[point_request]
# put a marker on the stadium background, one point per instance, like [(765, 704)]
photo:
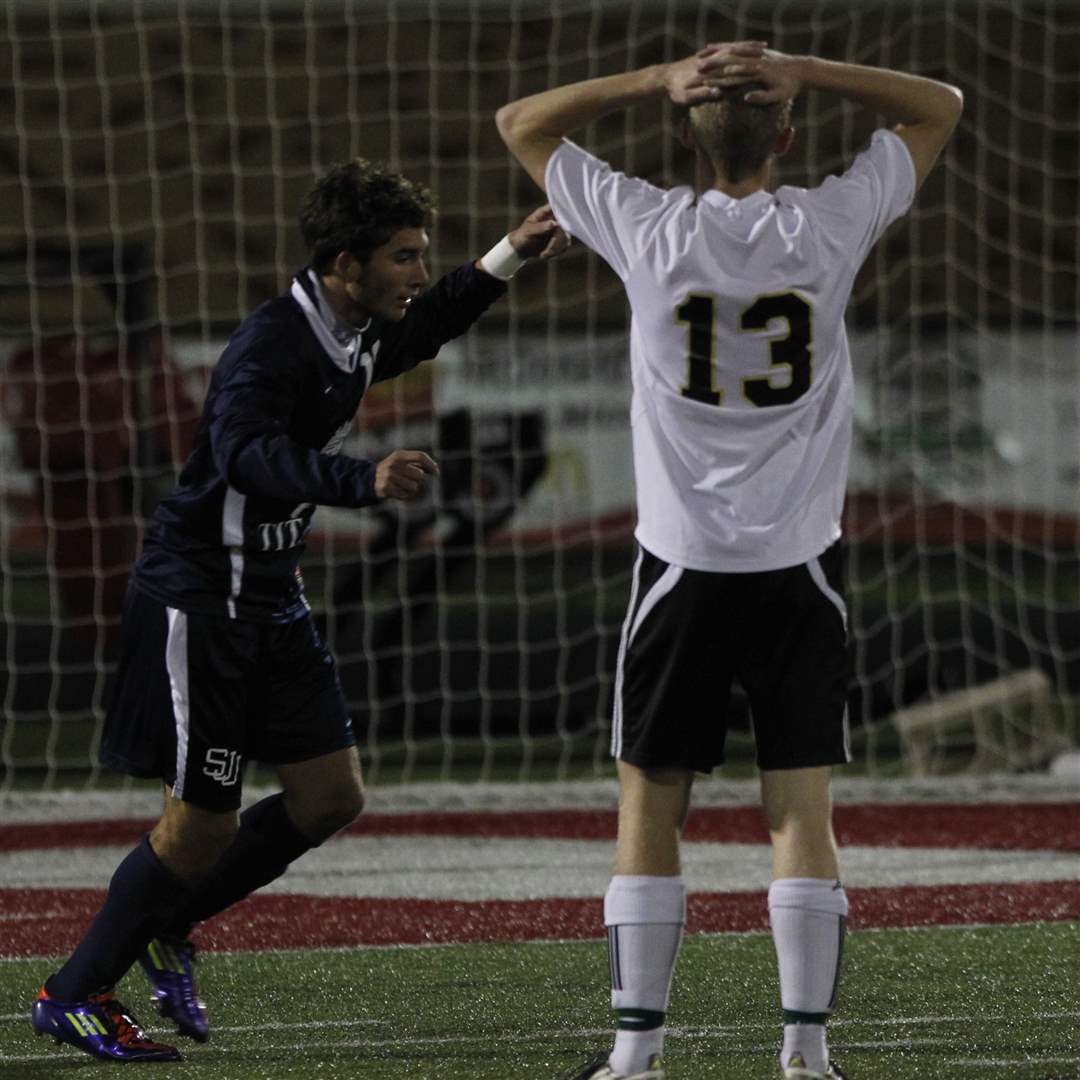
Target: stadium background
[(154, 155)]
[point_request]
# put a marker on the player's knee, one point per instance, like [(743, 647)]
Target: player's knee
[(335, 808), (347, 804), (191, 844)]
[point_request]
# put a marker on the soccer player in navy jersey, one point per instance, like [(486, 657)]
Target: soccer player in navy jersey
[(741, 420), (222, 661)]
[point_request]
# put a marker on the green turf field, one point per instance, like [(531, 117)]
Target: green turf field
[(963, 1003)]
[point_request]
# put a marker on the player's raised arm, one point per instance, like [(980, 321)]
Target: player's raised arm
[(923, 111), (532, 127)]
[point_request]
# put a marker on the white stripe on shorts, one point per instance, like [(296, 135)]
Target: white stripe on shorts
[(616, 719), (817, 575), (662, 586), (834, 598), (232, 535), (176, 663)]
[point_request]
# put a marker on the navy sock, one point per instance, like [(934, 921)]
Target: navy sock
[(265, 844), (143, 897)]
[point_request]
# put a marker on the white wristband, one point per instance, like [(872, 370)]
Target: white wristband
[(502, 261)]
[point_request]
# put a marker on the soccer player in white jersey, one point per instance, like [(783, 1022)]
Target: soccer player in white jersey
[(741, 418)]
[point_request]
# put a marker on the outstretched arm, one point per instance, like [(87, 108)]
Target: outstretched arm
[(533, 127), (923, 111), (539, 236), (459, 298)]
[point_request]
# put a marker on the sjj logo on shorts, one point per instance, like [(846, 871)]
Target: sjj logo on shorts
[(222, 765)]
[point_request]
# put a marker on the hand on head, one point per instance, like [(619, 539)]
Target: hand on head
[(704, 75), (736, 64)]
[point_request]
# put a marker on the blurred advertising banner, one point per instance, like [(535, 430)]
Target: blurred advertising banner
[(979, 420)]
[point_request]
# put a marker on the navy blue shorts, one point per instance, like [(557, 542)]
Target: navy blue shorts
[(688, 634), (198, 695)]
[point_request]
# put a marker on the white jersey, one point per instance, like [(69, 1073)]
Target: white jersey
[(742, 386)]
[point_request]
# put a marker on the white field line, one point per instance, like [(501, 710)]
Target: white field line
[(546, 1036), (478, 869), (79, 805), (542, 1036), (357, 1044), (896, 1021), (950, 927), (432, 1040), (1009, 1063), (674, 1031), (328, 1025)]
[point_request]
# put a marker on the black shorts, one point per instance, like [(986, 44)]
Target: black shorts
[(198, 695), (689, 633)]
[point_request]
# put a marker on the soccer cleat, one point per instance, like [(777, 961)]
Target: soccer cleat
[(597, 1068), (168, 965), (796, 1070), (100, 1026)]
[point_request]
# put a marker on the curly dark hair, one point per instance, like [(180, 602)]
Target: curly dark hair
[(738, 136), (356, 207)]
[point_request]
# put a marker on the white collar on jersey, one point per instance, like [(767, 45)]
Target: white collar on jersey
[(340, 339), (727, 202), (758, 209)]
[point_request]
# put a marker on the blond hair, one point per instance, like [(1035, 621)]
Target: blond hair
[(738, 137)]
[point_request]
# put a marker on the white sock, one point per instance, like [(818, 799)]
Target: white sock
[(807, 1041), (808, 917), (645, 917)]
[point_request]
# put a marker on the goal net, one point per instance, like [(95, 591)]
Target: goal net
[(155, 154)]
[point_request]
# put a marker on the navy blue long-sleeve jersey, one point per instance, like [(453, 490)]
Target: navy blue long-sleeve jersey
[(282, 398)]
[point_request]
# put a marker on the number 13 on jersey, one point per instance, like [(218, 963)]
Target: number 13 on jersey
[(791, 349)]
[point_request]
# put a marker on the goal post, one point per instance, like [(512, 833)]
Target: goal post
[(476, 634)]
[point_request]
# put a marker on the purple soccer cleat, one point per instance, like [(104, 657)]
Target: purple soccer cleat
[(100, 1026), (169, 965)]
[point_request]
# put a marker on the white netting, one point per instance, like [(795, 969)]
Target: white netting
[(155, 154)]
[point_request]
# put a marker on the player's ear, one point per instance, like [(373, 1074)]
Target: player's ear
[(784, 141), (346, 265)]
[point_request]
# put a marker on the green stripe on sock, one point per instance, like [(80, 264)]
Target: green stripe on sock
[(791, 1017), (639, 1019)]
